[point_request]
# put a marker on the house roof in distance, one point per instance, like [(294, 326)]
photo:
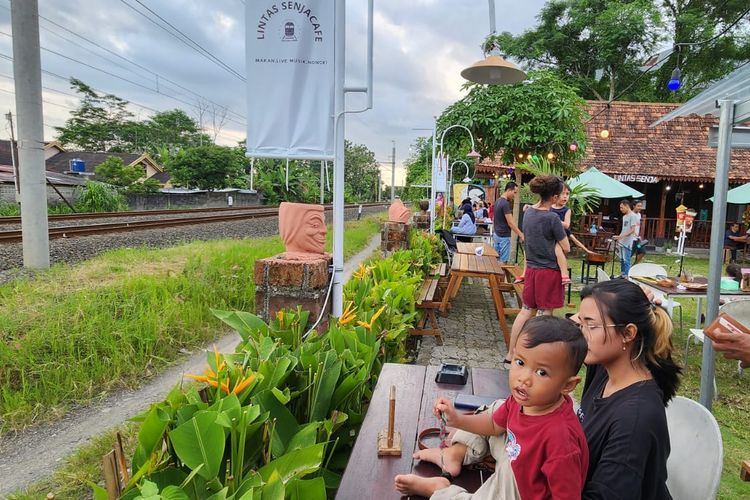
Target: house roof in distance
[(675, 150)]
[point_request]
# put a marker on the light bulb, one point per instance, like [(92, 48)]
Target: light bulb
[(520, 156), (700, 186), (528, 156), (573, 146), (604, 133), (668, 188), (550, 156)]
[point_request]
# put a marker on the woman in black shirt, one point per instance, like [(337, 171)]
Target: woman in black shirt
[(629, 380)]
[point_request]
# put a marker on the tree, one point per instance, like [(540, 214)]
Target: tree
[(114, 171), (517, 122), (96, 123), (603, 47), (596, 45), (102, 123), (302, 186), (418, 169), (537, 118), (209, 167), (361, 172)]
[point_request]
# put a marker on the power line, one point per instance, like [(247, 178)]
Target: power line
[(134, 103), (130, 61), (185, 39), (122, 78)]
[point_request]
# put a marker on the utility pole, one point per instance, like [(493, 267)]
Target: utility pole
[(393, 172), (16, 177), (27, 71)]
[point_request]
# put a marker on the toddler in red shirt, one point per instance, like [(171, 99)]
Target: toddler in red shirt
[(535, 436)]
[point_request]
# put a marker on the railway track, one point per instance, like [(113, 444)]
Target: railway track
[(229, 214)]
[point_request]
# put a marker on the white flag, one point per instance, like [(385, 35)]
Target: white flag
[(290, 87)]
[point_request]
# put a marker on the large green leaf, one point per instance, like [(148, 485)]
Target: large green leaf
[(274, 488), (173, 492), (305, 437), (149, 436), (200, 441), (306, 489), (328, 377), (286, 425), (295, 463), (245, 323)]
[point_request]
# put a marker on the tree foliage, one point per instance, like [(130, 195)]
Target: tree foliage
[(361, 173), (209, 167), (102, 122), (418, 169), (114, 171), (602, 46), (535, 118)]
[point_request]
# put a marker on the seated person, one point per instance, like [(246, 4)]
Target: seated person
[(467, 223), (537, 440), (733, 239)]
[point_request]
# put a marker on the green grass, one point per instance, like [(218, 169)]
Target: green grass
[(732, 409), (77, 333)]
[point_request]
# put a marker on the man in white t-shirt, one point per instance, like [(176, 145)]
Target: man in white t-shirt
[(639, 245), (627, 236)]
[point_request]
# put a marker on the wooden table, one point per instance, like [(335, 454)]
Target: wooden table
[(489, 268), (368, 476), (470, 248), (688, 294)]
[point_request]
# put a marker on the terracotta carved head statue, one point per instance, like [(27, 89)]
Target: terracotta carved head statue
[(398, 212), (302, 228)]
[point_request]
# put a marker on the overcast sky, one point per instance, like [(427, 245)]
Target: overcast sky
[(420, 48)]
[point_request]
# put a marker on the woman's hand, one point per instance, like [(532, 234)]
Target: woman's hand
[(650, 294), (449, 413)]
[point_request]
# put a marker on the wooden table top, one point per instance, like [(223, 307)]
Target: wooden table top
[(470, 263), (691, 293), (370, 476), (470, 248)]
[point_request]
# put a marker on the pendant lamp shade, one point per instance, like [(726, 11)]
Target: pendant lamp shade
[(494, 70)]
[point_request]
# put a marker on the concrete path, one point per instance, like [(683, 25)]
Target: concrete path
[(471, 331)]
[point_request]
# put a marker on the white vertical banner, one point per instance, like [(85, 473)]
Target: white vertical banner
[(441, 173), (290, 79)]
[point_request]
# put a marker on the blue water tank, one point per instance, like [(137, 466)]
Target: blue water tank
[(77, 165)]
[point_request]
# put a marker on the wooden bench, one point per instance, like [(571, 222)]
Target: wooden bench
[(428, 300), (368, 476)]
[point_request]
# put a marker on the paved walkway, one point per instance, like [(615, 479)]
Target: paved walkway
[(471, 331)]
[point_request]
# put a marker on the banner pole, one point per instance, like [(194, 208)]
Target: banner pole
[(338, 167)]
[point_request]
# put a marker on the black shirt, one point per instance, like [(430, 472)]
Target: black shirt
[(628, 440)]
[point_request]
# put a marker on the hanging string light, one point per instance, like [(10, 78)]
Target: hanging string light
[(604, 134), (573, 146)]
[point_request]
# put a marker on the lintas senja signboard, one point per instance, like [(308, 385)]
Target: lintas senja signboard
[(290, 82)]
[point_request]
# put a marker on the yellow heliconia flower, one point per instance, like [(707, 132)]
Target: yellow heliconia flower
[(362, 271), (242, 384), (280, 315), (349, 315), (372, 320)]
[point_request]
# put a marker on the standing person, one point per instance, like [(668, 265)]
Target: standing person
[(502, 222), (639, 245), (543, 290), (626, 237)]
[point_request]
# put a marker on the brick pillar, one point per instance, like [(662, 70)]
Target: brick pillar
[(422, 221), (394, 236), (281, 283)]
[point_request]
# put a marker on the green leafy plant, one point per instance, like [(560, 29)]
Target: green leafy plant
[(99, 197)]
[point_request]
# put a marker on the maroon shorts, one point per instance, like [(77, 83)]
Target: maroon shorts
[(543, 288)]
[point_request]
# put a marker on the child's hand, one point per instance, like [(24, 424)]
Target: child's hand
[(445, 406)]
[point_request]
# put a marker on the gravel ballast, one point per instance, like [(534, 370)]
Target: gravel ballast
[(78, 249)]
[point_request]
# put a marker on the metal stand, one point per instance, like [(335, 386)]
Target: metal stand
[(681, 248)]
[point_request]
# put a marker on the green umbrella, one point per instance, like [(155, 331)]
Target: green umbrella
[(606, 186), (739, 195)]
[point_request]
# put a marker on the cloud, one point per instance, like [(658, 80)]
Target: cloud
[(420, 48)]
